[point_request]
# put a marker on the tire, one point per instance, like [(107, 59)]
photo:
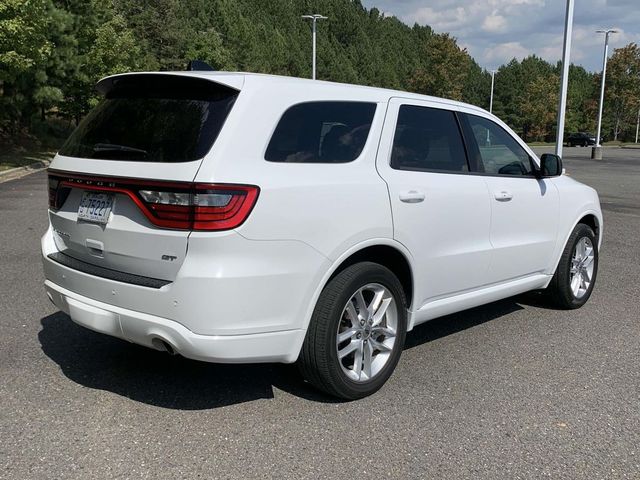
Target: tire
[(341, 311), (562, 290)]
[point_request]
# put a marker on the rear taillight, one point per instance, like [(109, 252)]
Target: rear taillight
[(53, 191), (58, 193), (203, 207), (184, 206)]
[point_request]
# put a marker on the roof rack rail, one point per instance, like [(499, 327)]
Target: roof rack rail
[(199, 65)]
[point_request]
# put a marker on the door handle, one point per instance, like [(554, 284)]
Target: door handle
[(503, 195), (412, 196)]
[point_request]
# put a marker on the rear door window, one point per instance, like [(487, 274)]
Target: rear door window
[(153, 118), (321, 132), (428, 139)]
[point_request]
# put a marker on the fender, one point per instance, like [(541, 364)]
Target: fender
[(565, 237), (311, 304)]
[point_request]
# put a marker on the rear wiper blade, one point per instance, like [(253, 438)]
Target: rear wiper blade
[(112, 147)]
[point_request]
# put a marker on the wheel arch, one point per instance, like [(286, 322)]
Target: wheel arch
[(592, 221), (591, 218), (379, 250), (386, 255)]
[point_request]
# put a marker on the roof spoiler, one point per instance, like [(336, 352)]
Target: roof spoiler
[(199, 65)]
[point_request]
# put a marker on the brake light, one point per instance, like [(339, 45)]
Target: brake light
[(205, 207), (57, 193), (53, 191), (176, 205)]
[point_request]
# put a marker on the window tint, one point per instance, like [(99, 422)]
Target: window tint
[(321, 132), (153, 118), (427, 139), (500, 153)]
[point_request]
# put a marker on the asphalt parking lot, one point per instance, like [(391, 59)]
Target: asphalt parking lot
[(510, 390)]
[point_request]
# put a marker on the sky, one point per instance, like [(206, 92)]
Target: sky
[(495, 31)]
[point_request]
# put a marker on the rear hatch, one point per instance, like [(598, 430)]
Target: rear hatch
[(121, 189)]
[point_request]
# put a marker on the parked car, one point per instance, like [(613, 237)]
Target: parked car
[(581, 139), (235, 217)]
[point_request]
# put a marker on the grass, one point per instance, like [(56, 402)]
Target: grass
[(21, 148), (24, 156)]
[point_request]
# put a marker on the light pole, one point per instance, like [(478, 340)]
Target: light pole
[(314, 18), (493, 76), (638, 126), (564, 83), (596, 152)]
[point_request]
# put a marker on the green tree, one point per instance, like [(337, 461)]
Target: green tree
[(114, 50), (622, 96), (538, 106), (447, 68), (24, 46), (23, 36)]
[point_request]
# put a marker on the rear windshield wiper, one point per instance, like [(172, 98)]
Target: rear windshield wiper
[(112, 147)]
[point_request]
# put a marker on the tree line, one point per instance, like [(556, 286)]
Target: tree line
[(53, 51)]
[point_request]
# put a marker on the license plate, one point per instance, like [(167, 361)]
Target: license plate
[(95, 207)]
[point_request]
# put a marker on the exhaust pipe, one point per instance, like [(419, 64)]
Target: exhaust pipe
[(169, 349), (163, 345)]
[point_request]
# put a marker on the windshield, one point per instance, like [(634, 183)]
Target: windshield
[(153, 118)]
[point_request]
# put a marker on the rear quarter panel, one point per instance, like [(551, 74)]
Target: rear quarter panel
[(330, 207)]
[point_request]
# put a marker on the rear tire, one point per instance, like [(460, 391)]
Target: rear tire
[(357, 332), (577, 270)]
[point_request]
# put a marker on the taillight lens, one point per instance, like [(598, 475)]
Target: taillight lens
[(204, 207), (184, 206), (53, 191), (221, 207), (58, 193)]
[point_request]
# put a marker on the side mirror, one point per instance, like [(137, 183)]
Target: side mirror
[(550, 165)]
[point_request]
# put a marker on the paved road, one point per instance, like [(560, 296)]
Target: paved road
[(510, 390)]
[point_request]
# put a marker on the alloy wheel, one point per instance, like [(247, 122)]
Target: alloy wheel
[(582, 265), (366, 333)]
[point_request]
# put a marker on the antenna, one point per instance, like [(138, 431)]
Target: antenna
[(199, 65)]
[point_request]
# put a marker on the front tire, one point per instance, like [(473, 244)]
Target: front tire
[(575, 277), (357, 332)]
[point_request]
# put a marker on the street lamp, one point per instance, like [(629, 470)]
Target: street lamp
[(564, 83), (493, 75), (596, 152), (314, 18)]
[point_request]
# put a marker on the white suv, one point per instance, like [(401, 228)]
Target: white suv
[(234, 217)]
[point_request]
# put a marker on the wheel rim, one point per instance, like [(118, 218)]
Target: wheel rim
[(366, 333), (582, 265)]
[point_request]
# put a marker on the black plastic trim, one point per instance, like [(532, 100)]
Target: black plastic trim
[(107, 273)]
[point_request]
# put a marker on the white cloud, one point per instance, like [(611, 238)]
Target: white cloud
[(508, 50), (494, 31), (494, 23)]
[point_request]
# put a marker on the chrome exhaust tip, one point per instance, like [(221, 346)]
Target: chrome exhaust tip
[(163, 345)]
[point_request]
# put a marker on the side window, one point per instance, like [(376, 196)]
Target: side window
[(427, 139), (321, 132), (500, 153)]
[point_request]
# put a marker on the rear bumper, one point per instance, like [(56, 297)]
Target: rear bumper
[(152, 331), (233, 300)]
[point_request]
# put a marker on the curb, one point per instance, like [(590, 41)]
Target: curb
[(19, 172)]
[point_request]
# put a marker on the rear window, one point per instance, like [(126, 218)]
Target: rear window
[(321, 132), (153, 118)]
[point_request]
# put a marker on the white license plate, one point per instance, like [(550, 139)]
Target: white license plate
[(95, 207)]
